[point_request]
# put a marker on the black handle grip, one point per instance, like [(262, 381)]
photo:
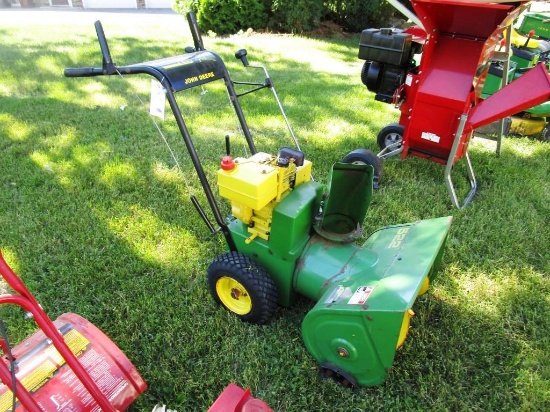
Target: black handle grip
[(241, 54), (108, 65), (83, 72), (195, 31), (227, 145)]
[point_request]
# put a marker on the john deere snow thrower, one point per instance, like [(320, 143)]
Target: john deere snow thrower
[(289, 235)]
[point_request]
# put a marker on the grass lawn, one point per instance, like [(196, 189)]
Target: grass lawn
[(95, 217)]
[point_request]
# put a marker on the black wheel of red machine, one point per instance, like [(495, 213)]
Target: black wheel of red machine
[(365, 156), (389, 135), (545, 134), (243, 287)]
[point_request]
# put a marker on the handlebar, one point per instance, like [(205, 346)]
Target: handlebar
[(107, 60), (195, 31), (83, 72), (108, 66)]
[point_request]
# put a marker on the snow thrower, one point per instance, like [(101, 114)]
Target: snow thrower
[(440, 98), (289, 235)]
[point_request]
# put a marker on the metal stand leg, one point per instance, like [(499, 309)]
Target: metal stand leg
[(504, 123), (449, 168), (391, 150), (505, 71)]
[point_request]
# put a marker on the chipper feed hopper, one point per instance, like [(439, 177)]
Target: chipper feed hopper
[(440, 98), (289, 235)]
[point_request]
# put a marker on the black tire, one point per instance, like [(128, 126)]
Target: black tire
[(365, 156), (392, 133), (545, 134), (243, 287)]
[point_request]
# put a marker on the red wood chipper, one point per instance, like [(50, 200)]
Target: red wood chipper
[(440, 98)]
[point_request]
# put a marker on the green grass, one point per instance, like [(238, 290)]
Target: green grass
[(95, 217)]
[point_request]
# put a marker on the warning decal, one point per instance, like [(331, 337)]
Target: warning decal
[(54, 386), (361, 295), (43, 364), (432, 137)]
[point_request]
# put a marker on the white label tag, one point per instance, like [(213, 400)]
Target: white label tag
[(338, 294), (432, 137), (156, 104), (361, 295), (335, 295)]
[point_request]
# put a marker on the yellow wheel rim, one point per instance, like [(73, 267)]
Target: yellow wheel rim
[(233, 295)]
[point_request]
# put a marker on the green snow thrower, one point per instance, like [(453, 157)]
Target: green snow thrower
[(289, 235)]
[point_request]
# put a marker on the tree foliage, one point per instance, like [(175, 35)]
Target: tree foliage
[(356, 15), (289, 16)]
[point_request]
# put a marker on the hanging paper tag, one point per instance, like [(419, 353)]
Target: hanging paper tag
[(156, 105)]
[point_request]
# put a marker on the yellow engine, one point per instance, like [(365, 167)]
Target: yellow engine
[(256, 184)]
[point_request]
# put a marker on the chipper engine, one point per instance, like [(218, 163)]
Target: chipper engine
[(289, 235)]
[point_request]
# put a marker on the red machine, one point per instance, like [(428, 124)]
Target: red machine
[(439, 99), (67, 365), (71, 365), (236, 399)]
